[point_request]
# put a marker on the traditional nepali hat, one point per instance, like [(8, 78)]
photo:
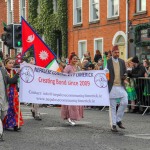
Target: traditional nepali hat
[(115, 47)]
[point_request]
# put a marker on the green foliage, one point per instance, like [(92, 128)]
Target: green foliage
[(48, 23), (137, 31)]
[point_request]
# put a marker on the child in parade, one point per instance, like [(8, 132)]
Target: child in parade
[(4, 80), (71, 113), (13, 118), (130, 86)]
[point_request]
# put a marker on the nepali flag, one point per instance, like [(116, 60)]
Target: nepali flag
[(44, 57)]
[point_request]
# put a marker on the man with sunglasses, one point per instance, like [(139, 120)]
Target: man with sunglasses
[(117, 71)]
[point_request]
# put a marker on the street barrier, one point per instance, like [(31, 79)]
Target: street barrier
[(142, 87)]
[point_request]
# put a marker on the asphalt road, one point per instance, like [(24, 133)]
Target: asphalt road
[(91, 133)]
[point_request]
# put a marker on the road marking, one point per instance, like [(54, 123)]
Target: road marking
[(28, 115), (82, 122), (139, 136), (54, 128)]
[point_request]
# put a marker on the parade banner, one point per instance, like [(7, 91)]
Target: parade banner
[(43, 86)]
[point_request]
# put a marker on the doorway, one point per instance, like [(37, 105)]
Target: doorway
[(120, 41)]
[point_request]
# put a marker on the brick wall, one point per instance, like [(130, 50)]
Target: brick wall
[(139, 18), (16, 13), (3, 14), (105, 29)]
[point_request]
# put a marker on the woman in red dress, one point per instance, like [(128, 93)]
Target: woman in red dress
[(13, 118)]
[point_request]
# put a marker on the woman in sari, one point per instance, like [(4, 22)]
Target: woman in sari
[(71, 113), (13, 118)]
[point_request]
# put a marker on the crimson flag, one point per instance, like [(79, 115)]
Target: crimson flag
[(43, 55)]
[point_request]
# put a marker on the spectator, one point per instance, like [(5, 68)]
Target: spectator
[(1, 55), (99, 65), (7, 56), (91, 67), (138, 71), (130, 87), (97, 56), (146, 64), (109, 54)]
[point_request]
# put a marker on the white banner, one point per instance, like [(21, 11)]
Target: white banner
[(44, 86)]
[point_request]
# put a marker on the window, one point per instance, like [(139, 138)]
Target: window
[(55, 6), (113, 8), (98, 45), (10, 11), (94, 10), (140, 5), (23, 8), (77, 7), (82, 48)]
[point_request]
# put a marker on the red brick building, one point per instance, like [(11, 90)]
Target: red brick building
[(92, 24), (11, 12), (99, 24)]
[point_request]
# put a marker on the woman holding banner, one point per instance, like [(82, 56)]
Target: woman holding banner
[(13, 118), (72, 113)]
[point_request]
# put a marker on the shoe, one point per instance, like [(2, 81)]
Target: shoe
[(38, 118), (71, 122), (114, 129), (16, 128), (120, 125), (33, 113), (1, 137)]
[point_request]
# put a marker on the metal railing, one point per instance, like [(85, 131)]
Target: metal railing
[(142, 88)]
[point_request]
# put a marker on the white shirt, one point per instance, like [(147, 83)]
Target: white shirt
[(115, 60)]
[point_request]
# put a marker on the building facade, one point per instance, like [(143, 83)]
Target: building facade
[(139, 23), (99, 24), (48, 18), (11, 12)]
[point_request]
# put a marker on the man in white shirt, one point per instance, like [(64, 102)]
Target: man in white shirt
[(117, 71)]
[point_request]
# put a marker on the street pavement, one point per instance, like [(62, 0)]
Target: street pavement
[(91, 133)]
